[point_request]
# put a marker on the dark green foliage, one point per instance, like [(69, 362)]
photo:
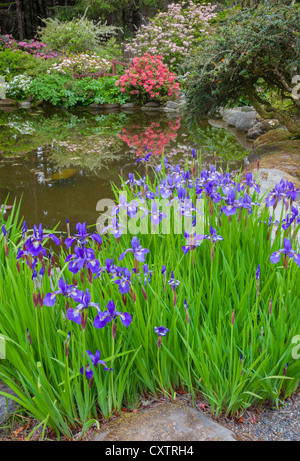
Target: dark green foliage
[(62, 91), (254, 47)]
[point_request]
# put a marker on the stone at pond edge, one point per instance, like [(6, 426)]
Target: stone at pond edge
[(25, 104), (276, 149), (104, 106), (261, 126), (8, 102), (152, 104), (239, 117), (167, 421), (129, 105)]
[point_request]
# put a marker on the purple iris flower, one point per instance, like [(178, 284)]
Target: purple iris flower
[(161, 331), (82, 236), (287, 252), (138, 251), (250, 183), (131, 207), (290, 218), (64, 289), (144, 159), (172, 282), (24, 230), (193, 241), (83, 257), (110, 315), (166, 187), (156, 216), (214, 237), (124, 280), (257, 274), (77, 314), (95, 359), (231, 203), (34, 242), (283, 190), (131, 180), (110, 267), (115, 228), (246, 202), (147, 274)]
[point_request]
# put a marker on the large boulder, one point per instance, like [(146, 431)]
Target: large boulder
[(276, 149), (240, 117), (164, 422)]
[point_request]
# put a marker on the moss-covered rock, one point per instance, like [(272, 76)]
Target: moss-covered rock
[(276, 149)]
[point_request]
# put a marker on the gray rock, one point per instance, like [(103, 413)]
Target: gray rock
[(25, 104), (240, 117), (232, 117), (6, 405), (245, 120), (173, 106), (166, 421), (111, 106), (152, 104), (261, 126), (128, 105), (8, 102)]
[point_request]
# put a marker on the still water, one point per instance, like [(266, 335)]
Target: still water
[(62, 163)]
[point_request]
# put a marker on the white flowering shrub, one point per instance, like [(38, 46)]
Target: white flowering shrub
[(80, 64), (175, 33), (18, 87), (76, 36)]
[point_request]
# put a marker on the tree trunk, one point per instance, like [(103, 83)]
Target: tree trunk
[(20, 19), (293, 126)]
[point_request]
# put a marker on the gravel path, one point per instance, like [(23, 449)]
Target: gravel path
[(270, 424)]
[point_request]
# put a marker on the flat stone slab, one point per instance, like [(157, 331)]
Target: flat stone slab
[(167, 421)]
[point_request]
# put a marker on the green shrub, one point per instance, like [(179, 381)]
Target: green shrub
[(61, 90), (14, 62), (75, 36), (254, 47), (50, 88)]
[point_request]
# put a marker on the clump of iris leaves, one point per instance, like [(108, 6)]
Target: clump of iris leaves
[(94, 321)]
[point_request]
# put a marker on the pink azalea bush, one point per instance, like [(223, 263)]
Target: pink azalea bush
[(175, 33), (149, 79), (34, 47)]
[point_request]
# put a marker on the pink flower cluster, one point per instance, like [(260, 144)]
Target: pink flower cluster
[(31, 47), (149, 76), (174, 33), (154, 137)]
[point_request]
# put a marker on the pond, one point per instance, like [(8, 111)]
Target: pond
[(63, 162)]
